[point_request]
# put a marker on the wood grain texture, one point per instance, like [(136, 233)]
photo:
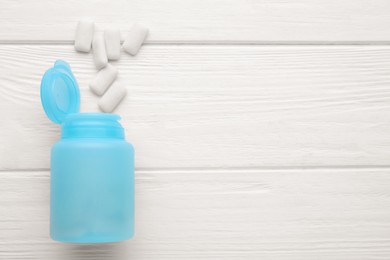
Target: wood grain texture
[(226, 214), (223, 21), (216, 106), (242, 152)]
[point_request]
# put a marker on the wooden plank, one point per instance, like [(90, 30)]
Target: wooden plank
[(226, 214), (192, 21), (216, 106)]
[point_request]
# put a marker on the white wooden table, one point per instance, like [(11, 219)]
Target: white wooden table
[(262, 127)]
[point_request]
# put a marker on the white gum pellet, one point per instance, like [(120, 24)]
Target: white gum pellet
[(111, 99), (99, 52), (135, 38), (103, 79), (84, 35), (112, 38)]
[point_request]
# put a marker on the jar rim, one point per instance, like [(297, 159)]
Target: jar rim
[(93, 115), (92, 125)]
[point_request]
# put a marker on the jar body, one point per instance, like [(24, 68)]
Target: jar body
[(92, 190)]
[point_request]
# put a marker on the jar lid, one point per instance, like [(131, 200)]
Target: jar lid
[(60, 95)]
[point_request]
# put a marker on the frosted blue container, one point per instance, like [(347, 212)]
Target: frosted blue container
[(92, 167)]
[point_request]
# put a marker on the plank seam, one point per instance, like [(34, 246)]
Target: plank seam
[(208, 43), (276, 168)]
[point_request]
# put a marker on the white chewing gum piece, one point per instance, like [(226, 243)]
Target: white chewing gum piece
[(99, 52), (112, 97), (112, 38), (84, 35), (103, 79), (135, 37)]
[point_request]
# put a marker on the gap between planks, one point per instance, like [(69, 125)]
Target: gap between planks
[(208, 43), (234, 169)]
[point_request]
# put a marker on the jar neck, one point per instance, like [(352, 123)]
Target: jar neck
[(92, 125)]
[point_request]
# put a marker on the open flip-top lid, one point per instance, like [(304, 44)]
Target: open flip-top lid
[(60, 95)]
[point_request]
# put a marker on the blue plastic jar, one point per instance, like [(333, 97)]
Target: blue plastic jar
[(92, 167)]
